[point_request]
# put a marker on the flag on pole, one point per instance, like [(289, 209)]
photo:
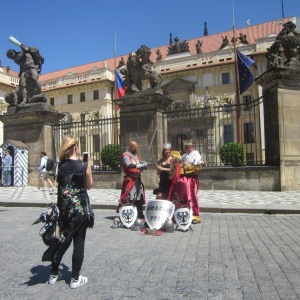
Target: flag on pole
[(245, 75), (120, 86)]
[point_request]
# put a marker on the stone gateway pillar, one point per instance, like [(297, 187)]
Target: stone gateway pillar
[(281, 89), (141, 120), (32, 124)]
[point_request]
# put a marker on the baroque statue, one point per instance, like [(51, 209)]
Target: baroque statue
[(199, 46), (225, 42), (140, 67), (288, 43), (158, 55), (177, 47), (29, 89)]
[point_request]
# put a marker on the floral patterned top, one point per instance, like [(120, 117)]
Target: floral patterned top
[(71, 192)]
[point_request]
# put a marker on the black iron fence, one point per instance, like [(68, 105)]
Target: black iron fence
[(211, 125)]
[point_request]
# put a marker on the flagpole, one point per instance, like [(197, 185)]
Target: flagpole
[(237, 85), (116, 129)]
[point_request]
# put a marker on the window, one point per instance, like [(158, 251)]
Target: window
[(52, 101), (228, 134), (201, 133), (82, 97), (225, 78), (96, 143), (82, 140), (249, 133), (96, 94), (70, 99), (247, 101)]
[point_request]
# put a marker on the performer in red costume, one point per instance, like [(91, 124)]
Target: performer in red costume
[(133, 190), (186, 182)]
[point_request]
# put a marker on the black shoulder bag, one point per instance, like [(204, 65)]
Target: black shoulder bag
[(90, 213)]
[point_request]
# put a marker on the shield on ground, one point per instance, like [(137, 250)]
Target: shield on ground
[(183, 217), (157, 212), (128, 214)]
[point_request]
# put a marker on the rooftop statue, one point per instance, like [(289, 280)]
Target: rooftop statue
[(287, 42), (199, 46), (139, 67), (225, 42), (177, 47), (243, 38), (29, 89)]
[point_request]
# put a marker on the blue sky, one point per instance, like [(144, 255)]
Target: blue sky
[(75, 32)]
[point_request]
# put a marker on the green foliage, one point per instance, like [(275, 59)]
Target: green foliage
[(111, 156), (232, 154)]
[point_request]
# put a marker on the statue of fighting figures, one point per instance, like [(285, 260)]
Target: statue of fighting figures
[(139, 67), (29, 89), (288, 43)]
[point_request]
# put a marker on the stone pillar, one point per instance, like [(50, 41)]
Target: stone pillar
[(141, 120), (281, 89), (31, 124)]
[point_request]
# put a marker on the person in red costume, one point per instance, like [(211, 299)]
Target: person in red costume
[(185, 183), (133, 190)]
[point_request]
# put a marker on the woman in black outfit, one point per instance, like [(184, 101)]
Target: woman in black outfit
[(163, 169), (73, 179)]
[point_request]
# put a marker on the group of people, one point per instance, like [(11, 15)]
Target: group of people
[(74, 178), (6, 165), (179, 178)]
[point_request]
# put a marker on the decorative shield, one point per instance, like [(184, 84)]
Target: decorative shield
[(128, 214), (183, 217), (157, 212)]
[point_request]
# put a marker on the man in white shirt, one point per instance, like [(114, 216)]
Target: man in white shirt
[(187, 183), (44, 174)]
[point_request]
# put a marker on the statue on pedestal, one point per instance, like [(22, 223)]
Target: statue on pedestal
[(287, 42), (139, 67), (29, 89)]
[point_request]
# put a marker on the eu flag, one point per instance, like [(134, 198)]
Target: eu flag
[(120, 86), (245, 75)]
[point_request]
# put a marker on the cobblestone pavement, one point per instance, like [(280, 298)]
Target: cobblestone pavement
[(210, 201), (228, 256)]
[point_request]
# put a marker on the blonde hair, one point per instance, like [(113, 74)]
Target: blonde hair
[(67, 147)]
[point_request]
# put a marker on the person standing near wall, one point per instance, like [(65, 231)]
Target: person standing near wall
[(44, 174), (133, 190), (7, 163), (187, 183)]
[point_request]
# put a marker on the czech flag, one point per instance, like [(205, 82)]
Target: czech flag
[(120, 86)]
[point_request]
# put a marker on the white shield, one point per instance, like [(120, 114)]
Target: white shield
[(157, 212), (183, 217), (128, 214)]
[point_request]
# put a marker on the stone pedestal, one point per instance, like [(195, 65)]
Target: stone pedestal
[(141, 120), (281, 89), (31, 124)]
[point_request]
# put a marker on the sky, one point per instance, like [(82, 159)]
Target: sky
[(69, 33)]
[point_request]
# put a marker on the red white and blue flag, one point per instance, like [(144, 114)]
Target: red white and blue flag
[(121, 88)]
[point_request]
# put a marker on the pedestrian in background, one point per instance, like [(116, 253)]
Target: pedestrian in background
[(44, 174), (7, 163)]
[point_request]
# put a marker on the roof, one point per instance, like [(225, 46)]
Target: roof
[(210, 43), (15, 143)]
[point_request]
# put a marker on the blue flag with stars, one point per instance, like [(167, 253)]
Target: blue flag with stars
[(245, 75)]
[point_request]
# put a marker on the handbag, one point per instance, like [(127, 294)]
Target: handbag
[(88, 208)]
